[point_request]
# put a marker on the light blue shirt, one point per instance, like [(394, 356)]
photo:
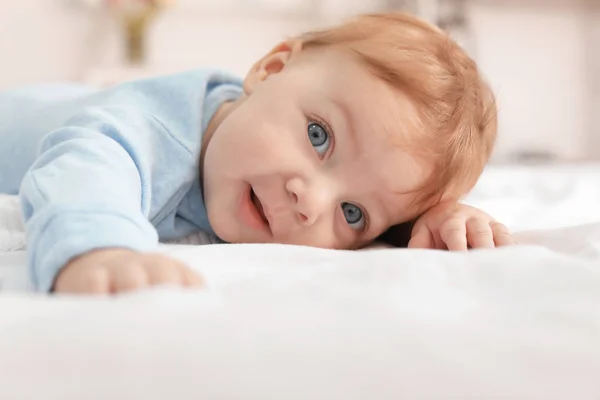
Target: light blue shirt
[(108, 168)]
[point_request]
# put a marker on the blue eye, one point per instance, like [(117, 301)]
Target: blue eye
[(319, 138), (354, 216)]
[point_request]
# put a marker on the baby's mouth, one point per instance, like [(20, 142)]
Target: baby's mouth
[(258, 206)]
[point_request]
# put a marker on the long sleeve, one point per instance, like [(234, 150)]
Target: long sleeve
[(113, 167), (91, 187)]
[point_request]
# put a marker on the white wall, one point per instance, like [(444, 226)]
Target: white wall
[(593, 75), (41, 40), (536, 56)]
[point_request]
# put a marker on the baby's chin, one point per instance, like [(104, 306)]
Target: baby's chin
[(234, 234)]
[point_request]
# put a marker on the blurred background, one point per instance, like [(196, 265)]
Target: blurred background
[(542, 57)]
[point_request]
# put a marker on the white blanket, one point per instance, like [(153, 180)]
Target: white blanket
[(284, 322)]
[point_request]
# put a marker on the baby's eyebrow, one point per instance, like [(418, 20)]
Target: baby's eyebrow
[(348, 119)]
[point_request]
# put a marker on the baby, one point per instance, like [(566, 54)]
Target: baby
[(334, 139)]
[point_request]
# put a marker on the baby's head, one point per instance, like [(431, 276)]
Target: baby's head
[(344, 133)]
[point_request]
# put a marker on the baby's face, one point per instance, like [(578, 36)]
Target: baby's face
[(308, 156)]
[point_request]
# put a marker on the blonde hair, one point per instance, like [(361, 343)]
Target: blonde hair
[(457, 110)]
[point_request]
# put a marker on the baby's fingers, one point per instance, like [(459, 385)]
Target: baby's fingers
[(128, 275), (421, 239), (163, 270), (96, 280), (89, 279), (190, 278), (502, 235), (454, 234), (479, 233)]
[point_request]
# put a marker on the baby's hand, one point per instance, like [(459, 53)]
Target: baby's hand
[(455, 226), (119, 270)]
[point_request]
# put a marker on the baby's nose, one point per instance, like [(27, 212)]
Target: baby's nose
[(309, 201)]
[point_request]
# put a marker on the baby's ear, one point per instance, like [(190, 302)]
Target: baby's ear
[(274, 62)]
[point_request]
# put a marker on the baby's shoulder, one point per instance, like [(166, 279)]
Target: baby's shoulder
[(183, 102)]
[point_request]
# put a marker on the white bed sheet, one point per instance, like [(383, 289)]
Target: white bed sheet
[(283, 322)]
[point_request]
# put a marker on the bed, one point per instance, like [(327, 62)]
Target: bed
[(285, 322)]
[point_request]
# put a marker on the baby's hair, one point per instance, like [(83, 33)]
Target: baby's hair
[(457, 115)]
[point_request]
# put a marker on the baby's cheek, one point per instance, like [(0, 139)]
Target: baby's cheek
[(326, 237)]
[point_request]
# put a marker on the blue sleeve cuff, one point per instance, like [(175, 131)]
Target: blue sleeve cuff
[(69, 235)]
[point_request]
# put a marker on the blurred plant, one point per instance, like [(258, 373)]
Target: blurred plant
[(135, 18)]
